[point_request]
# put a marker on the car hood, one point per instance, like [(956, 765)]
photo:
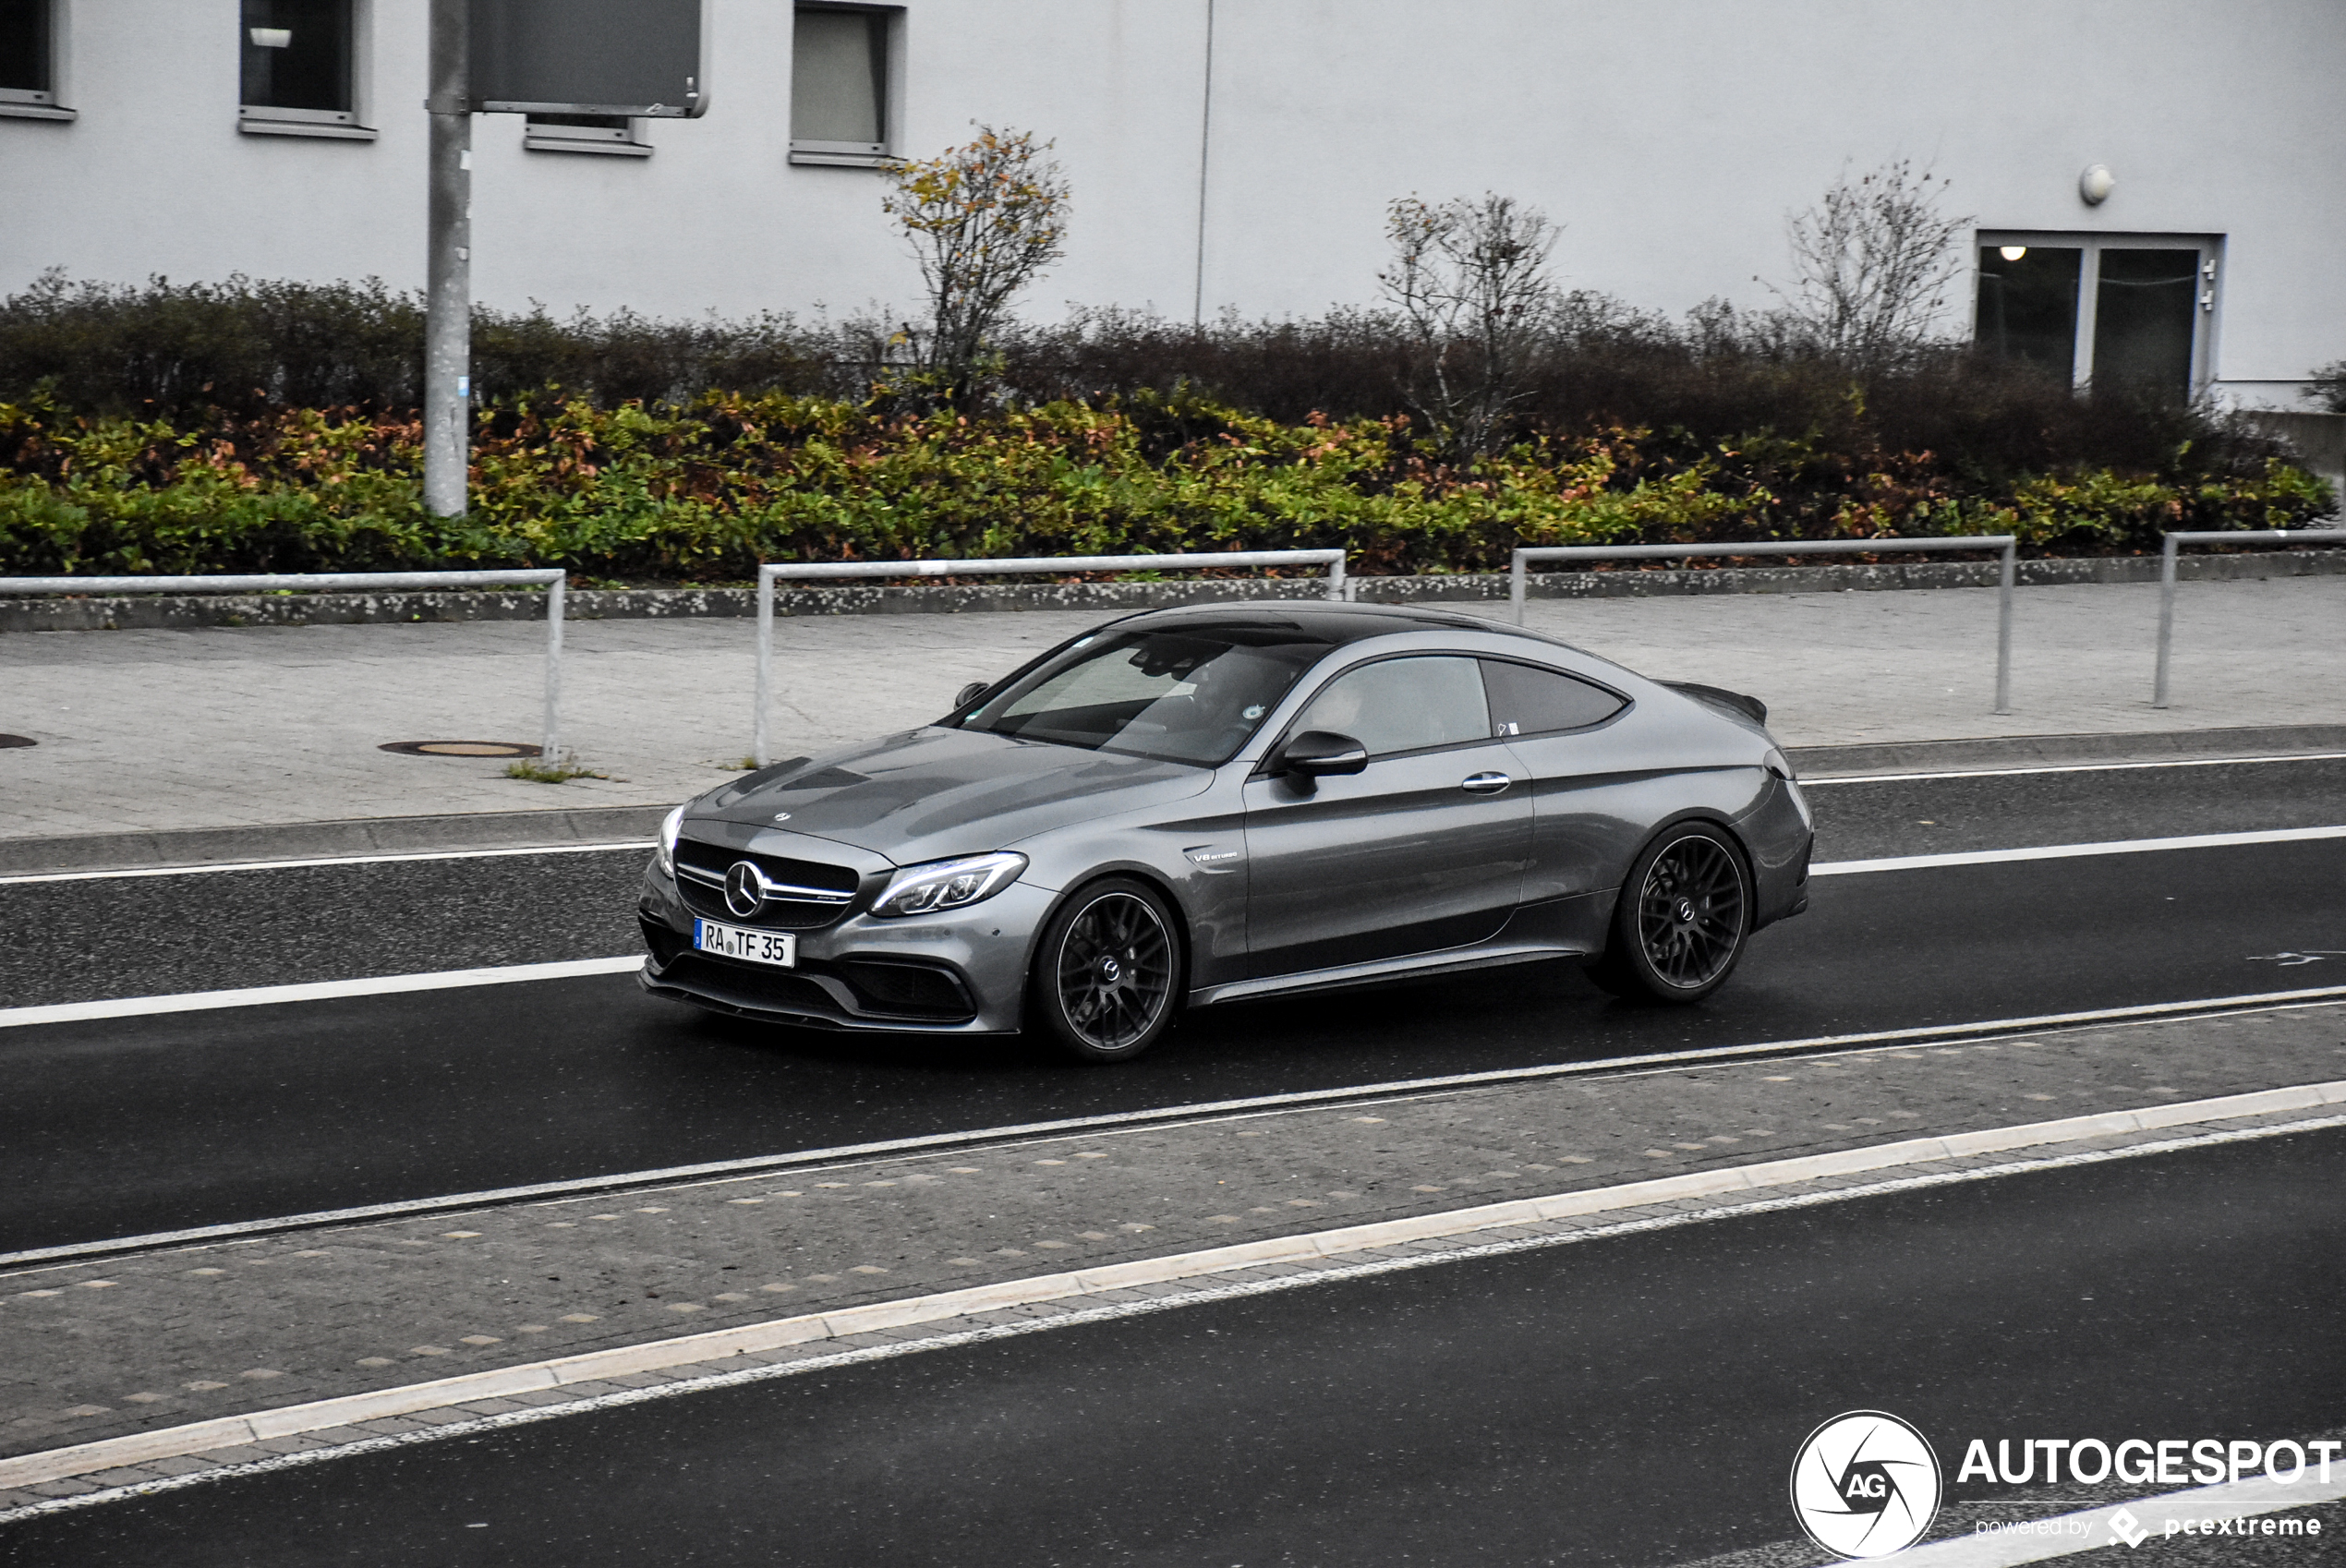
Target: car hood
[(929, 793)]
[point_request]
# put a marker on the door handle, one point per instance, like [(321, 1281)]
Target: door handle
[(1484, 783)]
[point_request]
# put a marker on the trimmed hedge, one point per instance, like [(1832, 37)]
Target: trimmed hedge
[(703, 491)]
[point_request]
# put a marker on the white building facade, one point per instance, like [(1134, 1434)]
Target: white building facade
[(1240, 154)]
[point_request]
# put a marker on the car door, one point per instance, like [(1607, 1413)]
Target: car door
[(1422, 849), (1589, 813)]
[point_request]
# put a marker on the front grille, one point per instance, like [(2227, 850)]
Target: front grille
[(823, 892), (750, 985)]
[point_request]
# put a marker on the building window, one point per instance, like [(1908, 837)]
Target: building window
[(300, 75), (2123, 312), (28, 59), (843, 65), (609, 134)]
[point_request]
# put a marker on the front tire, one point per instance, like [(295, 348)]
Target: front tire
[(1108, 971), (1682, 920)]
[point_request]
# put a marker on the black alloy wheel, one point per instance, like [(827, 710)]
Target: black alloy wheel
[(1106, 972), (1683, 915)]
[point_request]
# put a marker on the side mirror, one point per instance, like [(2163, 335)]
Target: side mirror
[(971, 692), (1316, 754)]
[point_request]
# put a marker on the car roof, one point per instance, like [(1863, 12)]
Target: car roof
[(1323, 620)]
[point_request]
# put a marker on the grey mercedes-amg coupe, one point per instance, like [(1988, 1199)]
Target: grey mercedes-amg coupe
[(1190, 806)]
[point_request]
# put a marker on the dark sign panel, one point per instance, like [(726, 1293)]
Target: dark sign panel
[(588, 57)]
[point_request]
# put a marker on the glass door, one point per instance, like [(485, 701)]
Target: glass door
[(2146, 317)]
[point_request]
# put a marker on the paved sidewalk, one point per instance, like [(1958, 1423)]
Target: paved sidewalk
[(114, 1347), (163, 731)]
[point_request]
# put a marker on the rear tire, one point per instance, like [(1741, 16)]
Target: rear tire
[(1108, 971), (1682, 920)]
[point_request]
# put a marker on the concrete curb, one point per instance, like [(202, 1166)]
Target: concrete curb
[(81, 1459), (328, 840), (168, 611)]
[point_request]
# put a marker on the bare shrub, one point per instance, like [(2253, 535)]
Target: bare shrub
[(1470, 278), (1872, 263), (983, 220)]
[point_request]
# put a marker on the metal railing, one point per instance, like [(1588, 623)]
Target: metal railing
[(329, 582), (2167, 556), (832, 571), (2007, 544)]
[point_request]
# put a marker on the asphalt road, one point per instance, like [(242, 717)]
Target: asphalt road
[(1635, 1400), (142, 936), (128, 1126)]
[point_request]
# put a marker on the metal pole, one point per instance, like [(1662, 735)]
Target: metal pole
[(1517, 580), (1338, 589), (2166, 619), (2003, 626), (759, 752), (448, 264), (552, 747)]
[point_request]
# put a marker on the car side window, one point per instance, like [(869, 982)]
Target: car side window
[(1402, 704), (1526, 701)]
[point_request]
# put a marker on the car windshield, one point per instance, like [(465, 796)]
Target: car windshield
[(1192, 695)]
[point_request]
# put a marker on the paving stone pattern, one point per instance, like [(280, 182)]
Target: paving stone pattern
[(149, 1476), (223, 726), (111, 1347)]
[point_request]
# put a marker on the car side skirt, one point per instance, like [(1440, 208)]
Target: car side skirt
[(1489, 956)]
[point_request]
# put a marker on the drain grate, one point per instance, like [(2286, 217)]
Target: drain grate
[(8, 741), (460, 748)]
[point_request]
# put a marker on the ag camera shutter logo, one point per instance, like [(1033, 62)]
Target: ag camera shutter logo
[(1866, 1484)]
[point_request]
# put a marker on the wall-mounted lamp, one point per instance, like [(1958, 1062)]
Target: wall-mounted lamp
[(2012, 252), (2096, 183)]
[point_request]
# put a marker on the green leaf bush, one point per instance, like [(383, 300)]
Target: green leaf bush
[(703, 489)]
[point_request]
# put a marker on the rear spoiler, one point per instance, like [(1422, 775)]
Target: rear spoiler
[(1734, 703)]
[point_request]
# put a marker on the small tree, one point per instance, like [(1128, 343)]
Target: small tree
[(1873, 262), (983, 220), (2328, 387), (1471, 281)]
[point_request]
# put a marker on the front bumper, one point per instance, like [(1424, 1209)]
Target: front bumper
[(962, 971)]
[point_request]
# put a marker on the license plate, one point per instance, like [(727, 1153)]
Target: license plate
[(777, 947)]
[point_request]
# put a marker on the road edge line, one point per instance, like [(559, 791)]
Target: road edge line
[(312, 991), (110, 1454), (2078, 851)]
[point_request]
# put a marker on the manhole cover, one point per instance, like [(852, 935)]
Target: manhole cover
[(460, 748), (8, 741)]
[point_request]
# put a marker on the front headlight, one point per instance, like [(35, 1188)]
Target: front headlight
[(948, 884), (667, 851)]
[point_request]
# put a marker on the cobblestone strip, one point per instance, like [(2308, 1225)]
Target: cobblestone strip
[(225, 1328), (170, 1457)]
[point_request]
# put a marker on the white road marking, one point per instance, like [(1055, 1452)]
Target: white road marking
[(716, 1171), (2065, 767), (325, 860), (312, 991), (2072, 851), (261, 996), (1461, 1226)]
